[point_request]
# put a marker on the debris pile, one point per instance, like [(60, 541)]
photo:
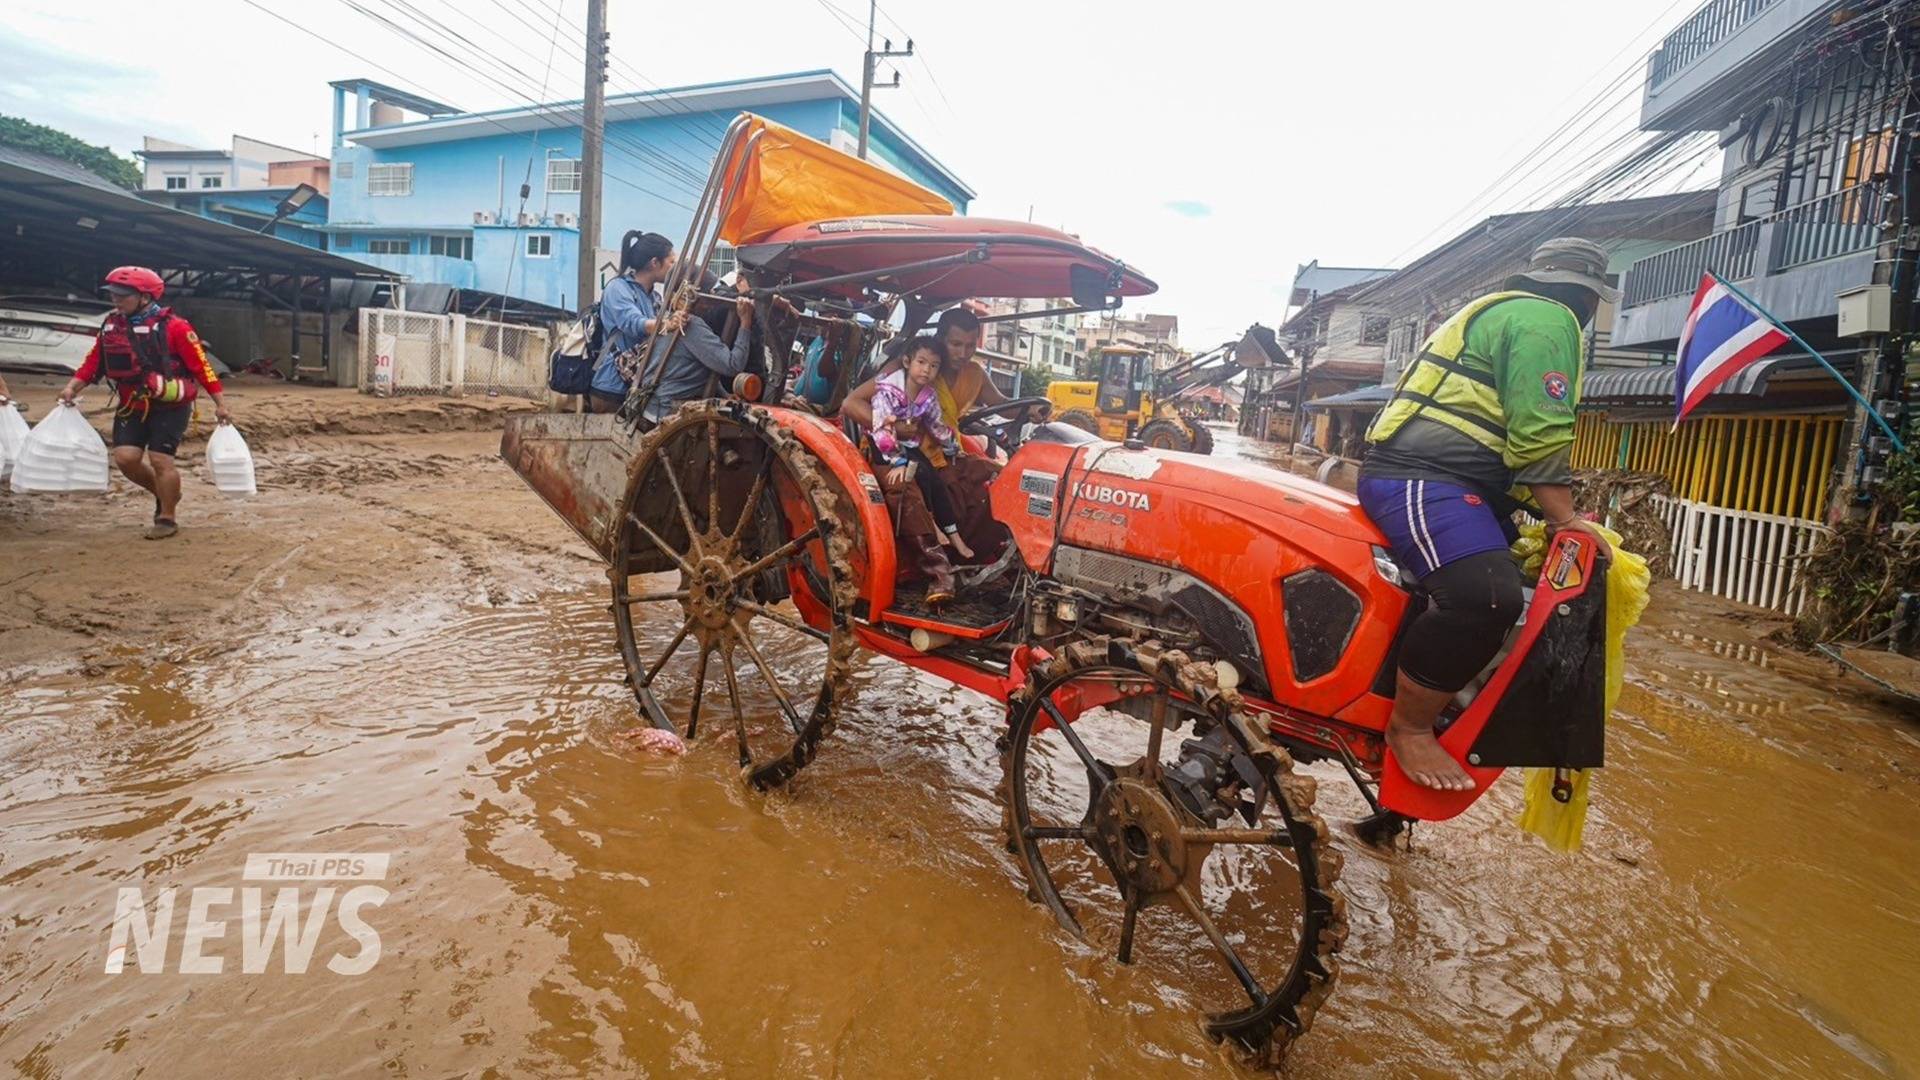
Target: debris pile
[(1625, 500)]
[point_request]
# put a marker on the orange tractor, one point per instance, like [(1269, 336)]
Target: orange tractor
[(1171, 635)]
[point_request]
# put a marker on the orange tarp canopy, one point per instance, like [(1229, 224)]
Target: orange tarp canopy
[(791, 179)]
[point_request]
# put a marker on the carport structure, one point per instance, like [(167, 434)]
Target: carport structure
[(61, 226)]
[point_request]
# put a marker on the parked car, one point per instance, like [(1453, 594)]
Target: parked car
[(48, 333), (54, 334)]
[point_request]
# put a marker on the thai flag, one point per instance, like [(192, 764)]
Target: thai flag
[(1724, 333)]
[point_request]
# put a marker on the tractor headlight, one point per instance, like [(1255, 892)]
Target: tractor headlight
[(1388, 567)]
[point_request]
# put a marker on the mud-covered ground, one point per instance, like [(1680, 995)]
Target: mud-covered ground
[(395, 649)]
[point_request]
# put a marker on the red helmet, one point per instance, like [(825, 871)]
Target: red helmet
[(139, 279)]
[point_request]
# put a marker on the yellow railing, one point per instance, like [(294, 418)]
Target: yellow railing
[(1766, 464)]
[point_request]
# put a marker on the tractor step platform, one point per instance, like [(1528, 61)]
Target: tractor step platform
[(977, 616)]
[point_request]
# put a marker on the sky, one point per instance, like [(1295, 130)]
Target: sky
[(1214, 145)]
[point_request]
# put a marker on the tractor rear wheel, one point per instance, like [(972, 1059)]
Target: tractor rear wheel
[(1081, 419), (1196, 851), (1165, 435), (730, 540)]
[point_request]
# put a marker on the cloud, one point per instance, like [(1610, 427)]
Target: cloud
[(1192, 208)]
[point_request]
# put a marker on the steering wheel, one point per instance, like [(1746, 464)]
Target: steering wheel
[(1011, 415)]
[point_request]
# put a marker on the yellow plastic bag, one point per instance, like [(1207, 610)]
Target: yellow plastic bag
[(1628, 580)]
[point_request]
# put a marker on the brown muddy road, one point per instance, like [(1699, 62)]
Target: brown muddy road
[(395, 649)]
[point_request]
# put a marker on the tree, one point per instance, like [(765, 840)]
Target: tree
[(98, 160), (1034, 380)]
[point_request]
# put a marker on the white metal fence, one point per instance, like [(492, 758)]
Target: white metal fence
[(410, 352), (1747, 557)]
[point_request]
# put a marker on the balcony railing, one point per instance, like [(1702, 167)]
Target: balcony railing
[(1677, 272), (1838, 224), (1704, 29)]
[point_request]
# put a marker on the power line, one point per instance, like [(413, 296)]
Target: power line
[(408, 81)]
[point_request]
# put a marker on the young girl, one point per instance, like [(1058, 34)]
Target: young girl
[(906, 409)]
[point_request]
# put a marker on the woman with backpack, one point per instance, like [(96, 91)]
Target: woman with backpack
[(627, 313)]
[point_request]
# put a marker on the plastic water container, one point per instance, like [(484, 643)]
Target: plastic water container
[(62, 453), (13, 435), (230, 462)]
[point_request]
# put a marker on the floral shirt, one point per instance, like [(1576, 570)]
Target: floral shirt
[(900, 419)]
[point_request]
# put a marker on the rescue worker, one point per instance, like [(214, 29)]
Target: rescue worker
[(157, 366), (1479, 426)]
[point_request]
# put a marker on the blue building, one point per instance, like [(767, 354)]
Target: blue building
[(490, 202)]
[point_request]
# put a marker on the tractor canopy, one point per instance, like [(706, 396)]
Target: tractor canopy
[(776, 177), (943, 259)]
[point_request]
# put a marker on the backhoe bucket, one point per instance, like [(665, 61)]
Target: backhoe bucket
[(1259, 348), (577, 462)]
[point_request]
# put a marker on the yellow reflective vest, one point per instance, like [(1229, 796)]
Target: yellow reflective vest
[(1509, 382)]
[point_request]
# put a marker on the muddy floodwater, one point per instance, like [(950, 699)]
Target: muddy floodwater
[(410, 658)]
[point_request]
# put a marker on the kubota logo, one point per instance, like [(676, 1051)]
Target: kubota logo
[(1100, 493)]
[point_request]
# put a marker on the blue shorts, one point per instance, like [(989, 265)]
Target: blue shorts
[(1431, 523)]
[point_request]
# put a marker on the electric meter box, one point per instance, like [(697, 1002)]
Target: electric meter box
[(1864, 309)]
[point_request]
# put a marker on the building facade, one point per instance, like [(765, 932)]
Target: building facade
[(1337, 344), (248, 164), (1049, 341), (491, 201), (1158, 334)]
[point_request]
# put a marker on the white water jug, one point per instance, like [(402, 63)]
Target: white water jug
[(61, 453), (13, 435), (230, 462)]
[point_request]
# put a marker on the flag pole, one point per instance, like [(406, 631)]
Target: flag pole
[(1815, 353)]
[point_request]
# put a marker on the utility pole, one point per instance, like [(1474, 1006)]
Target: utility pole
[(593, 123), (868, 67)]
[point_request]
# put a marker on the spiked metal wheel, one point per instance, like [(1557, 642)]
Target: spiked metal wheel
[(1197, 853), (730, 539)]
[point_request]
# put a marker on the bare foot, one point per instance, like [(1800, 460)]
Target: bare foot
[(1424, 762), (960, 546)]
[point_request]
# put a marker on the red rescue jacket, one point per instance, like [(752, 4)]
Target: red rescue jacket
[(164, 344)]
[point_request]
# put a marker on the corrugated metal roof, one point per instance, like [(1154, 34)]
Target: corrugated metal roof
[(1654, 384), (54, 212), (1366, 395)]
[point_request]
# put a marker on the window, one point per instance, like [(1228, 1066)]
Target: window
[(209, 181), (1374, 328), (459, 247), (539, 245), (343, 241), (725, 261), (343, 171), (177, 182), (399, 246), (390, 178), (563, 175)]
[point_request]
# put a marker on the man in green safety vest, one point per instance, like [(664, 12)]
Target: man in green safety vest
[(1480, 425)]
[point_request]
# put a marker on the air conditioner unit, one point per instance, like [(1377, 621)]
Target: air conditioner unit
[(483, 217), (566, 220), (527, 220)]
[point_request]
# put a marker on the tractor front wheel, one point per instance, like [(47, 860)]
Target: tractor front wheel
[(1152, 814)]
